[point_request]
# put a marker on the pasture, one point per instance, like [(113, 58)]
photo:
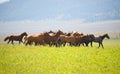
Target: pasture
[(21, 59)]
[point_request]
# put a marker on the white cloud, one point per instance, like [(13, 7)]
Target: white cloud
[(4, 1), (108, 22), (65, 25), (108, 14), (62, 22)]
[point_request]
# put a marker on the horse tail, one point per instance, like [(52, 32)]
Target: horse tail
[(6, 38)]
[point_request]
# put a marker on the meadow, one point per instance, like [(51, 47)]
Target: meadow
[(21, 59)]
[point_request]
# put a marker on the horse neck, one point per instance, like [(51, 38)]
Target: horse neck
[(22, 35), (103, 37), (57, 34)]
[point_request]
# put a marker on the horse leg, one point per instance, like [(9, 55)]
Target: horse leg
[(27, 43), (86, 44), (82, 44), (12, 42), (8, 42), (19, 42), (99, 45), (64, 43), (91, 44), (36, 43), (102, 46)]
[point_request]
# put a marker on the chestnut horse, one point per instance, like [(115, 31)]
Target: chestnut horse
[(100, 39), (12, 38), (36, 39), (43, 38)]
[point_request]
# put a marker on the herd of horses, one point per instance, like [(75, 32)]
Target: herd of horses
[(57, 39)]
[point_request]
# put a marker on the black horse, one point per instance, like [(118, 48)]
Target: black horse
[(89, 40), (12, 38), (100, 39), (85, 39)]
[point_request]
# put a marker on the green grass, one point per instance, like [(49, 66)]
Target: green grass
[(21, 59)]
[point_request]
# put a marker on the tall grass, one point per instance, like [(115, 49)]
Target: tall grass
[(21, 59)]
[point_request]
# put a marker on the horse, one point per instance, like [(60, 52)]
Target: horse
[(63, 39), (52, 38), (83, 39), (36, 39), (75, 39), (12, 38), (90, 39), (100, 39), (77, 34)]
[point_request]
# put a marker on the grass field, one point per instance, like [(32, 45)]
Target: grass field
[(21, 59)]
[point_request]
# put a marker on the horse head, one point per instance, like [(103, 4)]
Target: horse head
[(6, 38), (51, 32), (24, 34), (107, 36), (46, 34), (60, 33)]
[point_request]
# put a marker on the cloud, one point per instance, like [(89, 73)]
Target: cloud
[(46, 22), (4, 1), (107, 14), (79, 25), (103, 23)]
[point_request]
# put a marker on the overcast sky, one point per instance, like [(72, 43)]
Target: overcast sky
[(63, 13)]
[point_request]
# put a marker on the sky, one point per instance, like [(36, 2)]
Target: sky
[(43, 15)]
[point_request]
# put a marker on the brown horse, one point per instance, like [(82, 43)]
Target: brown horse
[(100, 39), (63, 39), (75, 40), (52, 38), (36, 39), (12, 38), (76, 34)]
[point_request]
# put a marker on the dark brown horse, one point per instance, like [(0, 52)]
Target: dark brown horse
[(75, 40), (85, 39), (12, 38), (63, 39), (100, 39)]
